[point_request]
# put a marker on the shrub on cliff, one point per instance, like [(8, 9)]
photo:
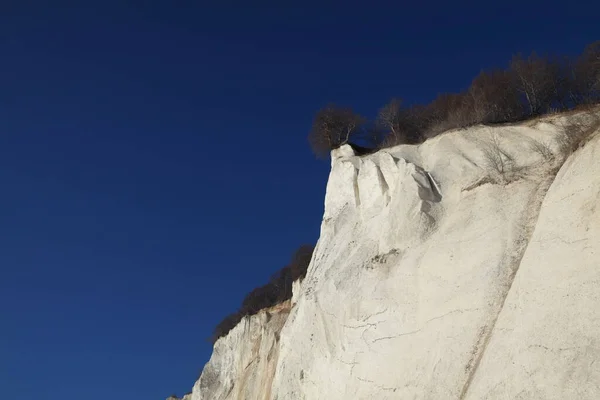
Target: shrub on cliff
[(495, 97), (277, 290), (539, 80), (226, 324), (400, 124), (300, 261), (332, 127), (585, 76)]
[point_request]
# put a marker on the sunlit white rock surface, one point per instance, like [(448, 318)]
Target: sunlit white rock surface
[(464, 268)]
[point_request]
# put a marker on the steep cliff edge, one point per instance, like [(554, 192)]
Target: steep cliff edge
[(463, 268)]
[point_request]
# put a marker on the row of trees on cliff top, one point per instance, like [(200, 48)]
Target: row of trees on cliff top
[(277, 290), (529, 87)]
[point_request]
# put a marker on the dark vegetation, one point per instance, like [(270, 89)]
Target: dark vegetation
[(527, 88), (277, 290)]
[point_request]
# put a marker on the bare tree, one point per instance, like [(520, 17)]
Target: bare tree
[(399, 124), (332, 127), (538, 80), (389, 118), (585, 76), (495, 97), (448, 111)]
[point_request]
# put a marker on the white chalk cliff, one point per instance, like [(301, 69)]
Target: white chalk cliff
[(467, 267)]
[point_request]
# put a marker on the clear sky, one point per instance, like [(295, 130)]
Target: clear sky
[(154, 165)]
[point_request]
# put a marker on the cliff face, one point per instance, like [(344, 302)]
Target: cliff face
[(464, 268), (243, 363)]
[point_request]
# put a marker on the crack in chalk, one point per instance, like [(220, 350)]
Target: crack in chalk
[(352, 363), (435, 189), (230, 390), (379, 385), (367, 325), (396, 336), (564, 240), (559, 350), (346, 362), (365, 319), (356, 188), (375, 314), (385, 188), (250, 363), (425, 324)]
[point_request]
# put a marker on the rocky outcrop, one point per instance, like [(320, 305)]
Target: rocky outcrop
[(463, 268)]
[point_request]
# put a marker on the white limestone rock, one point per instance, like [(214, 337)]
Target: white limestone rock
[(243, 362), (463, 268), (546, 342)]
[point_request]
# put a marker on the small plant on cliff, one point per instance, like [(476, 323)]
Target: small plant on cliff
[(498, 161)]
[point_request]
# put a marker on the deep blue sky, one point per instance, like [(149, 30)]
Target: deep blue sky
[(154, 165)]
